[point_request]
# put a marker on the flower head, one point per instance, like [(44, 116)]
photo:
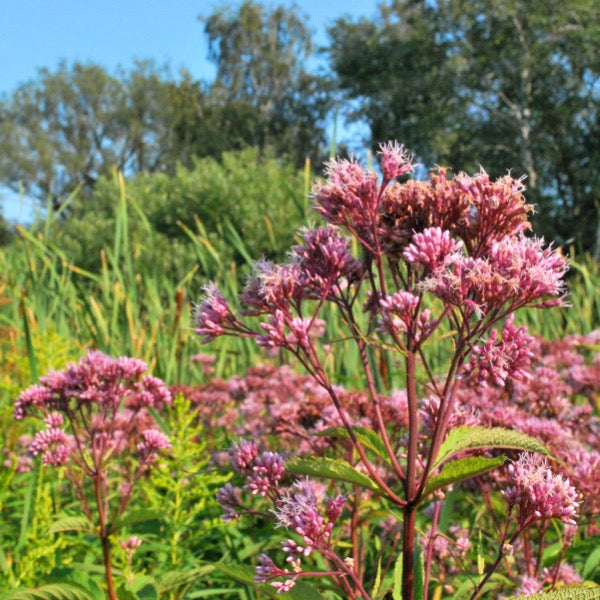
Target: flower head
[(539, 493)]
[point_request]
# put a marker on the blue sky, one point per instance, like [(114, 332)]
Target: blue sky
[(39, 33)]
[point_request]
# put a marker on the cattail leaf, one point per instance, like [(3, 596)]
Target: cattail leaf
[(469, 438), (464, 468), (330, 469), (367, 438), (72, 524), (397, 591)]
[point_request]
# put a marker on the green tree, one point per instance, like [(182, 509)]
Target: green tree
[(67, 128), (505, 84), (259, 197), (260, 55)]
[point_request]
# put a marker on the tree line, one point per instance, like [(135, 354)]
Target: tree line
[(501, 84)]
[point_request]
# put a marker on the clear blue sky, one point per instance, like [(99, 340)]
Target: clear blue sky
[(39, 33)]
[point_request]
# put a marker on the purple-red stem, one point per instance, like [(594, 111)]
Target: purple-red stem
[(104, 537), (408, 531)]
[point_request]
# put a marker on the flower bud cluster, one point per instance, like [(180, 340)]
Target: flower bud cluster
[(539, 493), (499, 358)]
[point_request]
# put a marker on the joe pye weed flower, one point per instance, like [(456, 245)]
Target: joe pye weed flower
[(444, 257)]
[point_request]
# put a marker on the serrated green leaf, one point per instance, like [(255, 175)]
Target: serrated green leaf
[(144, 588), (460, 469), (52, 591), (367, 437), (329, 469), (469, 438), (586, 591), (72, 524), (134, 517), (302, 591), (377, 583), (76, 576)]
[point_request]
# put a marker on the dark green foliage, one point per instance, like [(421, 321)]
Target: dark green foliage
[(260, 55), (508, 85), (260, 198)]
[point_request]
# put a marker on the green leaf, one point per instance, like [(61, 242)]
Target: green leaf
[(591, 562), (468, 438), (418, 574), (586, 591), (302, 591), (52, 591), (75, 576), (144, 588), (460, 469), (377, 584), (134, 517), (330, 469), (397, 591), (367, 437), (173, 579), (72, 524)]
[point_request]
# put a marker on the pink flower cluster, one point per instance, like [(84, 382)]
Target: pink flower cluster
[(538, 493), (296, 508), (103, 403), (499, 358)]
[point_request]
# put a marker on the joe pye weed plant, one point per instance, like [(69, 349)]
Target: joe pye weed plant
[(99, 428), (442, 261)]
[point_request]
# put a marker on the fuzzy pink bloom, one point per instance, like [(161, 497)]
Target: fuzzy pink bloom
[(395, 160), (397, 314), (54, 419), (497, 210), (324, 260), (539, 493), (566, 574), (36, 396), (243, 455), (230, 499), (53, 444), (298, 510), (212, 314), (517, 272), (499, 358), (431, 248), (267, 570), (154, 441), (267, 470), (349, 198), (529, 586)]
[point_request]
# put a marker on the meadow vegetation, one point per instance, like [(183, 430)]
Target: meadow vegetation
[(399, 395)]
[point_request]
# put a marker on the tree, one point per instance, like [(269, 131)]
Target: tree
[(260, 56), (67, 128), (510, 82)]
